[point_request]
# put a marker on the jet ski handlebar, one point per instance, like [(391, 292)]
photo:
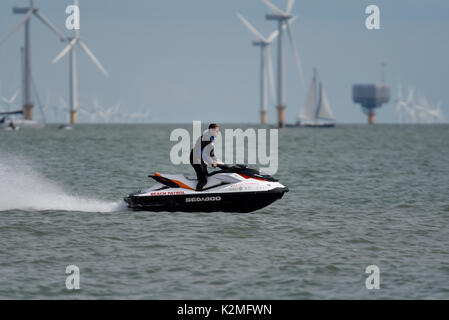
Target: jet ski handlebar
[(244, 169), (236, 168)]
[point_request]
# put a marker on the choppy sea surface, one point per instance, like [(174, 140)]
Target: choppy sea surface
[(359, 196)]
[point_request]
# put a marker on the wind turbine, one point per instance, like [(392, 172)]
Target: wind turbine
[(10, 102), (409, 106), (65, 107), (27, 90), (437, 113), (265, 64), (399, 103), (72, 42), (100, 114), (51, 108), (283, 17), (104, 113), (427, 113), (405, 106)]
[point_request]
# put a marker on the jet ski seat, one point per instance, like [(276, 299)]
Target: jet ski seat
[(176, 180)]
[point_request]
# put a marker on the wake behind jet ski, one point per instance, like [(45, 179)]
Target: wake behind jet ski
[(232, 189)]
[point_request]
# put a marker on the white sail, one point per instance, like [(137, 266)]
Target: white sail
[(324, 110), (308, 110)]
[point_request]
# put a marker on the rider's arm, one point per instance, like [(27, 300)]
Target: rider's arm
[(206, 154)]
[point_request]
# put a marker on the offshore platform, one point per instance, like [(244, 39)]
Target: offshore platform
[(371, 97)]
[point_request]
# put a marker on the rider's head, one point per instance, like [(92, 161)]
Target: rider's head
[(214, 129)]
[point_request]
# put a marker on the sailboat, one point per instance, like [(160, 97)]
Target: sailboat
[(316, 111), (7, 123)]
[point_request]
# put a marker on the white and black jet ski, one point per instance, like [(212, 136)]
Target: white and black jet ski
[(232, 189)]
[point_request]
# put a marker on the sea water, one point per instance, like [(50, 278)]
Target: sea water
[(359, 196)]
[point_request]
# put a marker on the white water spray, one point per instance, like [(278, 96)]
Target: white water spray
[(22, 188)]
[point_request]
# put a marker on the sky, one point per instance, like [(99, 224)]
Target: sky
[(185, 60)]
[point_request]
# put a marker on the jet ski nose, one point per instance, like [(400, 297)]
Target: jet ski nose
[(129, 199)]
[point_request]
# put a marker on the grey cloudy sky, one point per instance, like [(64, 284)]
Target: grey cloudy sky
[(193, 59)]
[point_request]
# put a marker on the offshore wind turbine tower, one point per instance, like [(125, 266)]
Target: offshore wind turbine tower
[(283, 18), (73, 84), (265, 65), (27, 82), (263, 53), (26, 91)]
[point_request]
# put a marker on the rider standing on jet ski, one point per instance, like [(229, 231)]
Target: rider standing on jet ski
[(203, 154)]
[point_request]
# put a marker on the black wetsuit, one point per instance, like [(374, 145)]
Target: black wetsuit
[(201, 168)]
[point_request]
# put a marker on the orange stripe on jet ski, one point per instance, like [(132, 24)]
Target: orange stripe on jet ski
[(248, 177), (179, 183), (182, 185)]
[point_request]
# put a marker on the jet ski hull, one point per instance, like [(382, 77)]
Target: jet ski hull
[(206, 202)]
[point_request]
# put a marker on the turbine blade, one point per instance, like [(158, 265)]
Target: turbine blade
[(284, 26), (270, 75), (295, 51), (411, 94), (96, 104), (251, 28), (425, 102), (11, 101), (27, 16), (64, 105), (290, 5), (83, 111), (91, 55), (65, 50), (51, 26), (399, 91), (274, 8), (273, 36), (292, 20)]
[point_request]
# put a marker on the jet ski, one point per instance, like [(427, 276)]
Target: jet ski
[(236, 188)]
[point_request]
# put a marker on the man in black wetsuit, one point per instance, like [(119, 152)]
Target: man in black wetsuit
[(203, 154)]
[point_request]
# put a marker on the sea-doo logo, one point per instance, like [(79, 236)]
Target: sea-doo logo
[(198, 199)]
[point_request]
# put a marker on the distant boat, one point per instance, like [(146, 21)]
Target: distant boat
[(6, 123), (20, 123), (10, 123), (316, 111), (65, 127)]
